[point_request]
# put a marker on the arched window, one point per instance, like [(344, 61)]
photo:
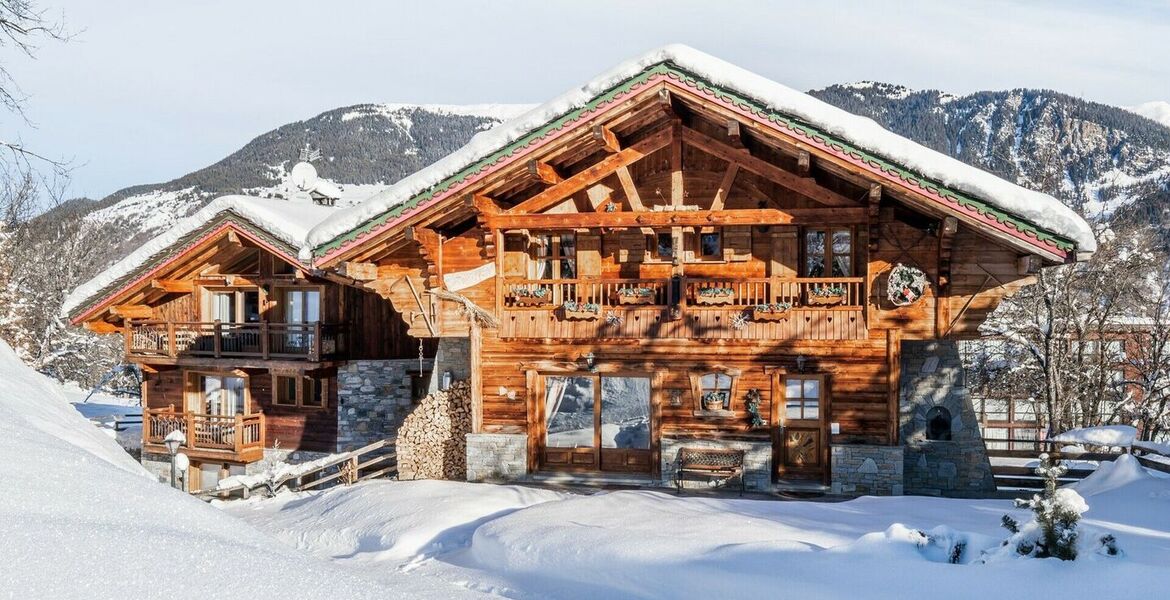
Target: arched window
[(938, 424)]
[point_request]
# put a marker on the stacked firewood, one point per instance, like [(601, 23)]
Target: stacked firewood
[(432, 442)]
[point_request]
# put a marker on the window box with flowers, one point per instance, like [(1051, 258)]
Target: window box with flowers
[(635, 295), (826, 295), (524, 296), (775, 311), (580, 311), (715, 296)]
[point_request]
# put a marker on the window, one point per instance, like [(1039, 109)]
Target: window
[(664, 246), (305, 392), (802, 398), (222, 395), (302, 305), (832, 247), (234, 306), (554, 256), (711, 245), (716, 391)]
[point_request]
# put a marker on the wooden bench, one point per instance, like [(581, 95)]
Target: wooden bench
[(711, 464)]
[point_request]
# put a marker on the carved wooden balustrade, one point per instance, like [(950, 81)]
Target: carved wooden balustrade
[(232, 438), (284, 341)]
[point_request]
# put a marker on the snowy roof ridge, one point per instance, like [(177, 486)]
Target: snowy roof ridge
[(1037, 208), (287, 222)]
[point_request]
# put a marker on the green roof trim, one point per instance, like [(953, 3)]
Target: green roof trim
[(744, 103)]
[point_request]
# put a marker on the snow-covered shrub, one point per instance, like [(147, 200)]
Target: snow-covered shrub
[(1053, 529)]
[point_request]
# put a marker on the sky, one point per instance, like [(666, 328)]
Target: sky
[(147, 91)]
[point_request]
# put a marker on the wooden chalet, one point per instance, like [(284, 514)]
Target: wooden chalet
[(679, 255)]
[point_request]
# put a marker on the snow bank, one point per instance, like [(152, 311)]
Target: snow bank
[(287, 221), (1113, 475), (81, 519), (1041, 209), (1121, 436), (386, 520)]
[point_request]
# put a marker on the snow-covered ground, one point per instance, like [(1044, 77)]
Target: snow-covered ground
[(526, 543), (81, 519)]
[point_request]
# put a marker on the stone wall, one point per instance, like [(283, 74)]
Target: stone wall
[(373, 398), (932, 376), (859, 470), (757, 461), (497, 456), (158, 465), (273, 456), (454, 355)]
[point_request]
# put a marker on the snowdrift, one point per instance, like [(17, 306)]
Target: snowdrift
[(80, 519)]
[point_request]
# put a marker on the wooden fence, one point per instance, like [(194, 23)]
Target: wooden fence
[(379, 459), (1024, 477)]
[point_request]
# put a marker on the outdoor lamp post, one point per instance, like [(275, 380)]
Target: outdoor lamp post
[(173, 440)]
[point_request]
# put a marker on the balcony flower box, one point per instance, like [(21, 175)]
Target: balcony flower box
[(714, 296), (777, 311), (635, 296), (580, 311), (522, 296), (827, 295)]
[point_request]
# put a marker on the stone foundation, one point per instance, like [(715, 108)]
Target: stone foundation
[(860, 470), (158, 465), (757, 462), (497, 456), (932, 376), (373, 398), (273, 456)]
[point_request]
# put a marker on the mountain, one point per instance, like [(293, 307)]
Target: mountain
[(1159, 111), (1104, 160), (1108, 161)]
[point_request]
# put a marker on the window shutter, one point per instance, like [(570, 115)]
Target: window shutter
[(515, 263), (633, 246), (588, 255), (737, 243)]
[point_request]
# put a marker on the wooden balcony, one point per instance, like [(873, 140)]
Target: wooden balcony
[(686, 308), (238, 438), (311, 342)]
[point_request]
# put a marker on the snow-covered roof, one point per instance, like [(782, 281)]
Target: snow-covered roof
[(286, 221), (1037, 208)]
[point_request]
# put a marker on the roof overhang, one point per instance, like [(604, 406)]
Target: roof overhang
[(174, 254), (1013, 230)]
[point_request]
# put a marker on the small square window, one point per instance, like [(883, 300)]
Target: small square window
[(665, 246), (316, 393), (285, 392), (710, 245)]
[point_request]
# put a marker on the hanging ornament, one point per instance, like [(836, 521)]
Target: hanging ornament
[(905, 285)]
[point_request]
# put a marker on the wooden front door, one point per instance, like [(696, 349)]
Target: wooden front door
[(802, 439), (597, 422)]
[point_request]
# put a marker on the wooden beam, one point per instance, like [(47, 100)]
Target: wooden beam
[(608, 140), (359, 271), (559, 192), (631, 190), (874, 202), (803, 163), (233, 238), (431, 249), (173, 286), (482, 204), (734, 137), (677, 190), (544, 172), (803, 185), (725, 186), (100, 326), (681, 218), (666, 104), (893, 382), (132, 311), (226, 281)]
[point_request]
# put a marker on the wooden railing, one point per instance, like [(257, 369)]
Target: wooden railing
[(296, 341), (808, 292), (376, 460), (239, 436)]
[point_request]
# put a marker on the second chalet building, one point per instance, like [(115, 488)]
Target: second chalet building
[(679, 255)]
